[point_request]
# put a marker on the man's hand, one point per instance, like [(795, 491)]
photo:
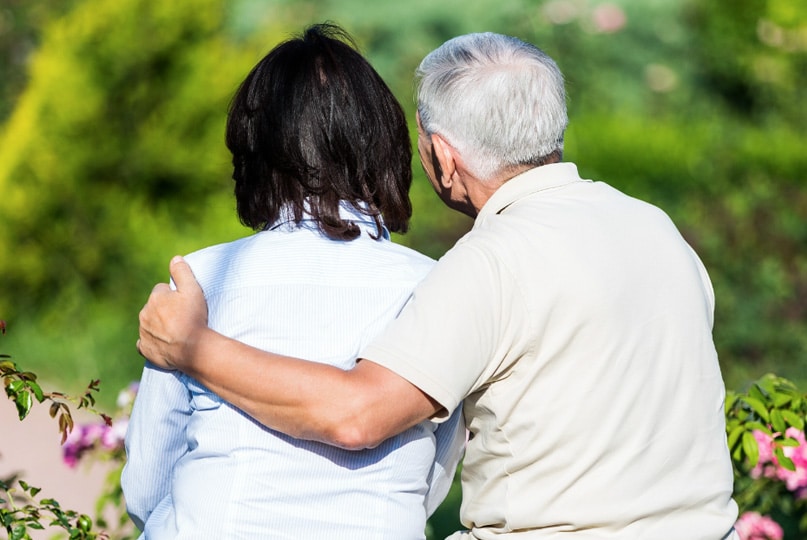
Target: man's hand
[(171, 319)]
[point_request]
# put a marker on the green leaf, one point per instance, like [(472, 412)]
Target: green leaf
[(759, 407), (783, 460), (787, 441), (84, 523), (780, 399), (750, 448), (37, 390), (734, 435), (793, 419), (751, 426), (778, 421), (755, 392), (24, 402), (18, 533), (731, 398)]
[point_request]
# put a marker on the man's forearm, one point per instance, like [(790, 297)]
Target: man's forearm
[(352, 409)]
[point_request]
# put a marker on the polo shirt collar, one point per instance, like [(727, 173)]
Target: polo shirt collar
[(532, 181)]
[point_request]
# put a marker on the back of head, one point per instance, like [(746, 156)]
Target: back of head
[(498, 100), (312, 126)]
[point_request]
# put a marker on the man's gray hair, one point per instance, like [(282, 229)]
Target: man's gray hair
[(498, 100)]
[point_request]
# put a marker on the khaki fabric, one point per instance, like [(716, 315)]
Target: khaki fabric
[(575, 323)]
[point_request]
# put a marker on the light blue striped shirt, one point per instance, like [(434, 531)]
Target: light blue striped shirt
[(199, 468)]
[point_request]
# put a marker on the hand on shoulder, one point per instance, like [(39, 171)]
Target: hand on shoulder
[(172, 318)]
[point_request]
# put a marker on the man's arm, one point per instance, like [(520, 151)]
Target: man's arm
[(354, 409)]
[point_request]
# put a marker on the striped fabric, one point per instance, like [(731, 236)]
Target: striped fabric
[(199, 468)]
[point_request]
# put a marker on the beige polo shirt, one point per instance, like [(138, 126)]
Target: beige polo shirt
[(576, 323)]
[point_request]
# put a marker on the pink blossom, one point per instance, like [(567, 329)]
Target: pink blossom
[(764, 466), (769, 467), (80, 439), (114, 435), (87, 437), (795, 480), (753, 526)]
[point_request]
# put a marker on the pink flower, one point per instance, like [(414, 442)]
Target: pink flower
[(87, 437), (753, 526), (768, 465), (81, 439), (796, 480), (114, 435), (765, 464)]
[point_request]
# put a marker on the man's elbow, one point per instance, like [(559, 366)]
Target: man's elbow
[(352, 437), (355, 427)]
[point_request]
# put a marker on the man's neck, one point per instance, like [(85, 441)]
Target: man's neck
[(480, 191)]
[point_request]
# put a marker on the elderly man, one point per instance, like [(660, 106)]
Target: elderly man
[(573, 321)]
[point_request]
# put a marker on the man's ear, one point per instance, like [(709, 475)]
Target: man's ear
[(444, 155)]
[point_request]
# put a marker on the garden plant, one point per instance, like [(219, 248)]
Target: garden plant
[(764, 426)]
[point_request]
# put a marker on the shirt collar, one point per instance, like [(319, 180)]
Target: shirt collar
[(532, 181), (285, 222)]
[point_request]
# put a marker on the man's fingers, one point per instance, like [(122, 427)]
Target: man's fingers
[(182, 275), (145, 312), (160, 288)]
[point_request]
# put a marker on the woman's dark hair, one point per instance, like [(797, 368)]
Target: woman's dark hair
[(313, 124)]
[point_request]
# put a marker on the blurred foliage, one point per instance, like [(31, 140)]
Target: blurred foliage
[(113, 160), (21, 23), (112, 157), (23, 508)]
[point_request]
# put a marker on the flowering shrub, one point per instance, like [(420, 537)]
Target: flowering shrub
[(103, 441), (20, 510), (753, 526), (766, 436), (795, 479), (104, 437), (765, 429)]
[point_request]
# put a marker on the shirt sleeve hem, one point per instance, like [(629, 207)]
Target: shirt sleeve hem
[(400, 364)]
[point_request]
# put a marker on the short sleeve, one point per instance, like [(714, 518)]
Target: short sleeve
[(453, 336)]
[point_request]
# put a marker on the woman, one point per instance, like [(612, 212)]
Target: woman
[(322, 169)]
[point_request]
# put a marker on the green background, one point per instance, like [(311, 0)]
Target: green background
[(112, 158)]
